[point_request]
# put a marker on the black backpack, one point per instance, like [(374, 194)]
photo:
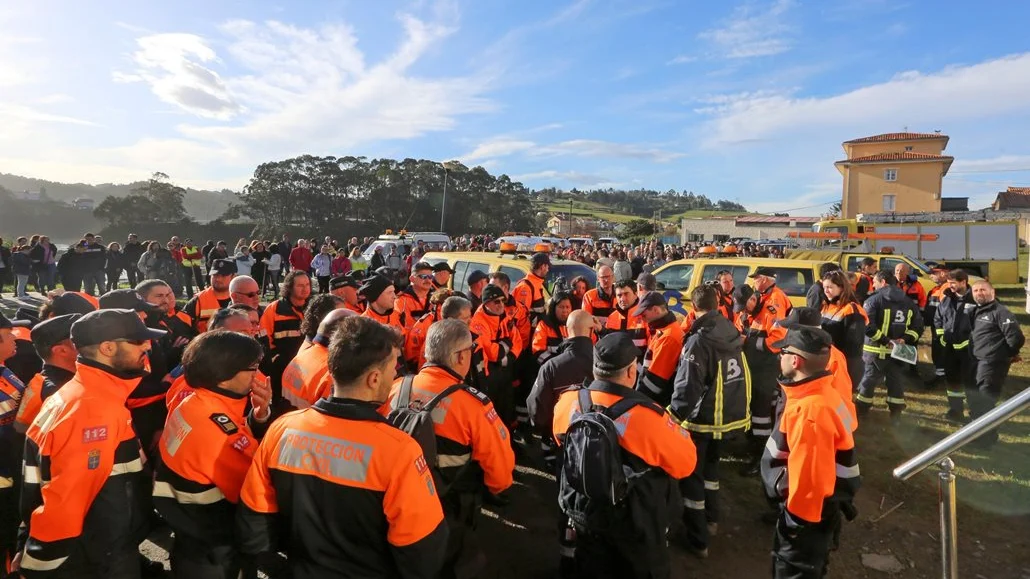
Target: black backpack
[(596, 474), (417, 421)]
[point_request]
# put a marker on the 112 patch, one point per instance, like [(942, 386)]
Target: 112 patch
[(94, 434)]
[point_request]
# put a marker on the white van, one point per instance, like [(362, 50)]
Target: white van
[(609, 241), (404, 241)]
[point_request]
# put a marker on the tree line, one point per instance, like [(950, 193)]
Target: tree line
[(641, 202)]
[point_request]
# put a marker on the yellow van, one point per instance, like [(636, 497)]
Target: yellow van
[(516, 265), (850, 261), (677, 279)]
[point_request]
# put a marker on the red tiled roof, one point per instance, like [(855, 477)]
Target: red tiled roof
[(771, 219), (906, 156), (1013, 199), (1019, 190), (886, 137)]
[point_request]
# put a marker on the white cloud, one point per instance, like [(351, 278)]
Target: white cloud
[(752, 32), (999, 164), (910, 98), (176, 66), (505, 146), (498, 148), (682, 59), (571, 177)]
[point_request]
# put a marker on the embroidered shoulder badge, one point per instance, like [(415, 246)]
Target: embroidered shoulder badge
[(225, 423)]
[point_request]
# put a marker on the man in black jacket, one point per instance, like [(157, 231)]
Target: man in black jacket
[(996, 341), (567, 369), (94, 259), (133, 250), (952, 325), (711, 397)]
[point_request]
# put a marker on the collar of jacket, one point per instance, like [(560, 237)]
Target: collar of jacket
[(608, 297), (350, 409), (581, 346), (628, 312), (986, 307), (805, 386), (375, 311), (668, 318), (441, 370), (704, 321), (320, 340), (768, 290), (619, 390), (91, 370), (56, 374)]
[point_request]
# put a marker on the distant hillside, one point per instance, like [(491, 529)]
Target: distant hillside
[(201, 205)]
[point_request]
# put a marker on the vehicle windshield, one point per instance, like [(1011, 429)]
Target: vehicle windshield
[(570, 271), (920, 265)]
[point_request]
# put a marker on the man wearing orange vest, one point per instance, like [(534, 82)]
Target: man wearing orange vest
[(501, 345), (771, 305), (658, 369), (204, 305), (281, 323), (529, 291), (52, 340), (413, 302), (192, 258), (600, 301), (453, 307), (624, 320), (809, 466), (346, 287), (939, 275), (306, 378), (381, 297), (11, 389)]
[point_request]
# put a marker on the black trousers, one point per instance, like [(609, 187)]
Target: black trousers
[(958, 375), (323, 284), (985, 391), (192, 559), (764, 370), (879, 371), (805, 553), (600, 557), (463, 558), (700, 491)]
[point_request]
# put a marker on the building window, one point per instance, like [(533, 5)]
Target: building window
[(888, 202), (908, 148), (890, 174)]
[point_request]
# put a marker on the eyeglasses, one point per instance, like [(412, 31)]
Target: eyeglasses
[(471, 347)]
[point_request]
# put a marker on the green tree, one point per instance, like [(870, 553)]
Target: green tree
[(166, 197), (638, 228), (126, 210)]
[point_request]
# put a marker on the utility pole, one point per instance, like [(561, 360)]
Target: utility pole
[(570, 215)]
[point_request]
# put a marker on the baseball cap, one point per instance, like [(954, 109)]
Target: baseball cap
[(741, 294), (70, 303), (109, 325), (540, 259), (802, 316), (762, 270), (374, 287), (649, 300), (491, 293), (7, 324), (223, 267), (342, 281), (50, 332), (614, 352), (476, 277), (805, 341), (647, 281), (443, 266), (125, 299)]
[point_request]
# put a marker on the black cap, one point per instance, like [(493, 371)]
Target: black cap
[(802, 316), (343, 281), (762, 270), (540, 259), (125, 299), (649, 300), (442, 266), (615, 351), (374, 287), (805, 340), (53, 331), (69, 303), (223, 267), (647, 281), (741, 294), (108, 325), (476, 277), (7, 324), (491, 293), (28, 315), (385, 271)]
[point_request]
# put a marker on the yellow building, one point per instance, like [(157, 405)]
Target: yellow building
[(893, 172)]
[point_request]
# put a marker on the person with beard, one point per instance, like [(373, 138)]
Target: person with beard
[(711, 398), (622, 319), (658, 369), (52, 340), (85, 501), (281, 322), (202, 306)]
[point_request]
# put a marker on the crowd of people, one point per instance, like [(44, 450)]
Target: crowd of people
[(359, 426)]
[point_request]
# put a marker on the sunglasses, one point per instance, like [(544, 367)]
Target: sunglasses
[(425, 276), (792, 353)]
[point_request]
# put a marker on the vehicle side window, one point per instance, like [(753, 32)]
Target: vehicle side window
[(793, 281), (458, 279), (854, 263), (514, 273), (470, 267), (676, 277), (889, 263), (739, 273)]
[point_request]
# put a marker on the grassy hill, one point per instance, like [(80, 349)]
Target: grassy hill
[(201, 205), (601, 211)]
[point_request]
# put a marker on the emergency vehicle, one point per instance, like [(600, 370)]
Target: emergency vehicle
[(404, 241), (514, 263), (885, 260)]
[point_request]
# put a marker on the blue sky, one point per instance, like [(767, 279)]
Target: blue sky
[(747, 101)]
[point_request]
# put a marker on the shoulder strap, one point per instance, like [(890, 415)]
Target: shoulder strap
[(586, 404), (429, 406), (403, 398), (630, 398), (621, 407)]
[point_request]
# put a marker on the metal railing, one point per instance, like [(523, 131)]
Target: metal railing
[(939, 454)]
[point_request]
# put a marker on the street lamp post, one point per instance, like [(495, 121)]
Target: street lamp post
[(448, 166)]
